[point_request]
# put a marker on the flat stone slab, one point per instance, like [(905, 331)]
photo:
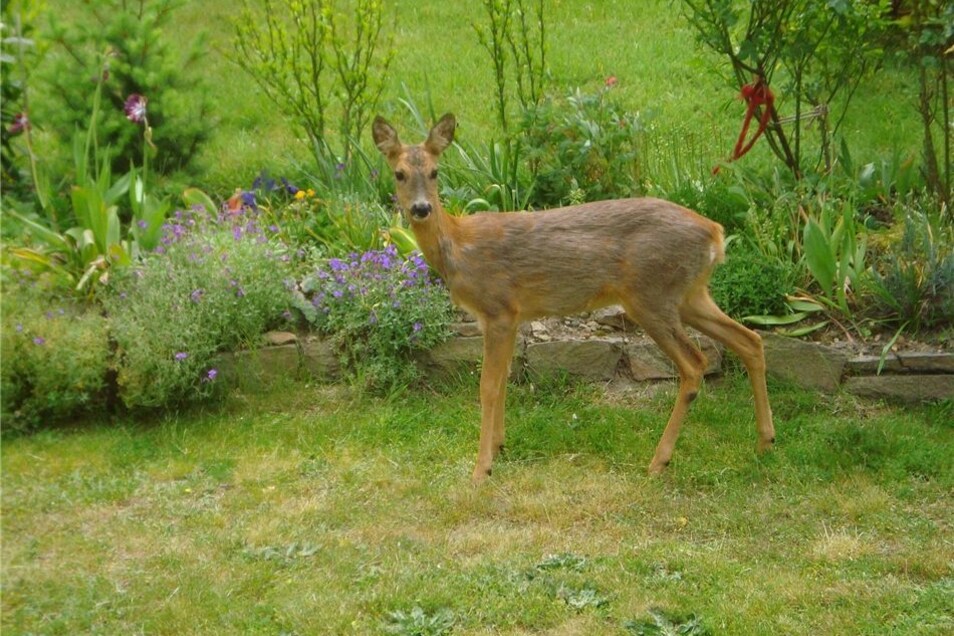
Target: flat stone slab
[(903, 388), (927, 363), (465, 329), (280, 338), (462, 355), (647, 361), (320, 358), (806, 364), (258, 366), (592, 359)]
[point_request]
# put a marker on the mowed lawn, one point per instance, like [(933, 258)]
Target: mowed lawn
[(317, 510)]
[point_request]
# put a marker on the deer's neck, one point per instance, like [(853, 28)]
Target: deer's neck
[(436, 239)]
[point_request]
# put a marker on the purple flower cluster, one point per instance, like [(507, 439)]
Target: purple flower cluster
[(358, 276), (268, 186), (395, 301)]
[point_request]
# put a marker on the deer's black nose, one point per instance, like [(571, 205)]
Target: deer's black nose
[(421, 209)]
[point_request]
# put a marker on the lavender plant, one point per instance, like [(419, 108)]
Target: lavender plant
[(214, 283), (55, 352), (381, 308)]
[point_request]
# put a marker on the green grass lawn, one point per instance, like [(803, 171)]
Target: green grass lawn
[(314, 510)]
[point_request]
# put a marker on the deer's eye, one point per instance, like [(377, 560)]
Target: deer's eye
[(400, 176), (434, 173)]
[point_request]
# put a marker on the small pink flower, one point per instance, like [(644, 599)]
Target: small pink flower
[(135, 108), (611, 81), (20, 123)]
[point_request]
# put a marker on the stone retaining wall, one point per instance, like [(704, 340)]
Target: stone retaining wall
[(619, 354)]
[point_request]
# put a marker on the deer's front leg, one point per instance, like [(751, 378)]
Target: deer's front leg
[(499, 337)]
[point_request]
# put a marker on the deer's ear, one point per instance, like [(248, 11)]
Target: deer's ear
[(385, 137), (441, 135)]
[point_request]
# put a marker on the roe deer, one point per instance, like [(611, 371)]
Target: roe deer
[(651, 256)]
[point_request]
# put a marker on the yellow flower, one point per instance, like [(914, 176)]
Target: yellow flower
[(300, 194), (311, 192)]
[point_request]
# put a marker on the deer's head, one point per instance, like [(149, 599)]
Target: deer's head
[(415, 167)]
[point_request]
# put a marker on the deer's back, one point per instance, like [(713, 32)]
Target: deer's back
[(580, 257)]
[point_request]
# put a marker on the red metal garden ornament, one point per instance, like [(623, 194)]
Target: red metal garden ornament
[(756, 95)]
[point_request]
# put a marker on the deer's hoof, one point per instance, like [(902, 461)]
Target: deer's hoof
[(657, 467), (480, 476), (765, 445)]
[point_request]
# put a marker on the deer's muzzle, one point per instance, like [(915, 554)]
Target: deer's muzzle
[(421, 210)]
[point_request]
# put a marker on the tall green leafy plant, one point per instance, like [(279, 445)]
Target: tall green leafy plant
[(835, 248), (96, 241), (514, 36), (18, 56), (318, 64), (927, 36), (581, 148)]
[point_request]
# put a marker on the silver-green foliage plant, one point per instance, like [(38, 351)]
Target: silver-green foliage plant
[(215, 283), (317, 63), (912, 279)]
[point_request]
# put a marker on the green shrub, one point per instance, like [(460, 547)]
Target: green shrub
[(581, 148), (381, 308), (716, 200), (140, 60), (215, 283), (55, 354), (750, 284)]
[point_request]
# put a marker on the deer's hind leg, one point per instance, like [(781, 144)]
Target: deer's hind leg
[(665, 328), (700, 311)]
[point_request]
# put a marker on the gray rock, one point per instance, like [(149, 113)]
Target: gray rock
[(647, 361), (466, 329), (904, 362), (803, 363), (612, 316), (320, 359), (903, 388), (259, 367), (591, 359), (461, 355), (276, 338)]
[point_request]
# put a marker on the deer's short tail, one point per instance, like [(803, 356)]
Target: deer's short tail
[(717, 249)]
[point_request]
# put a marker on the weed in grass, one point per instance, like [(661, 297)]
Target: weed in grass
[(418, 622), (662, 623)]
